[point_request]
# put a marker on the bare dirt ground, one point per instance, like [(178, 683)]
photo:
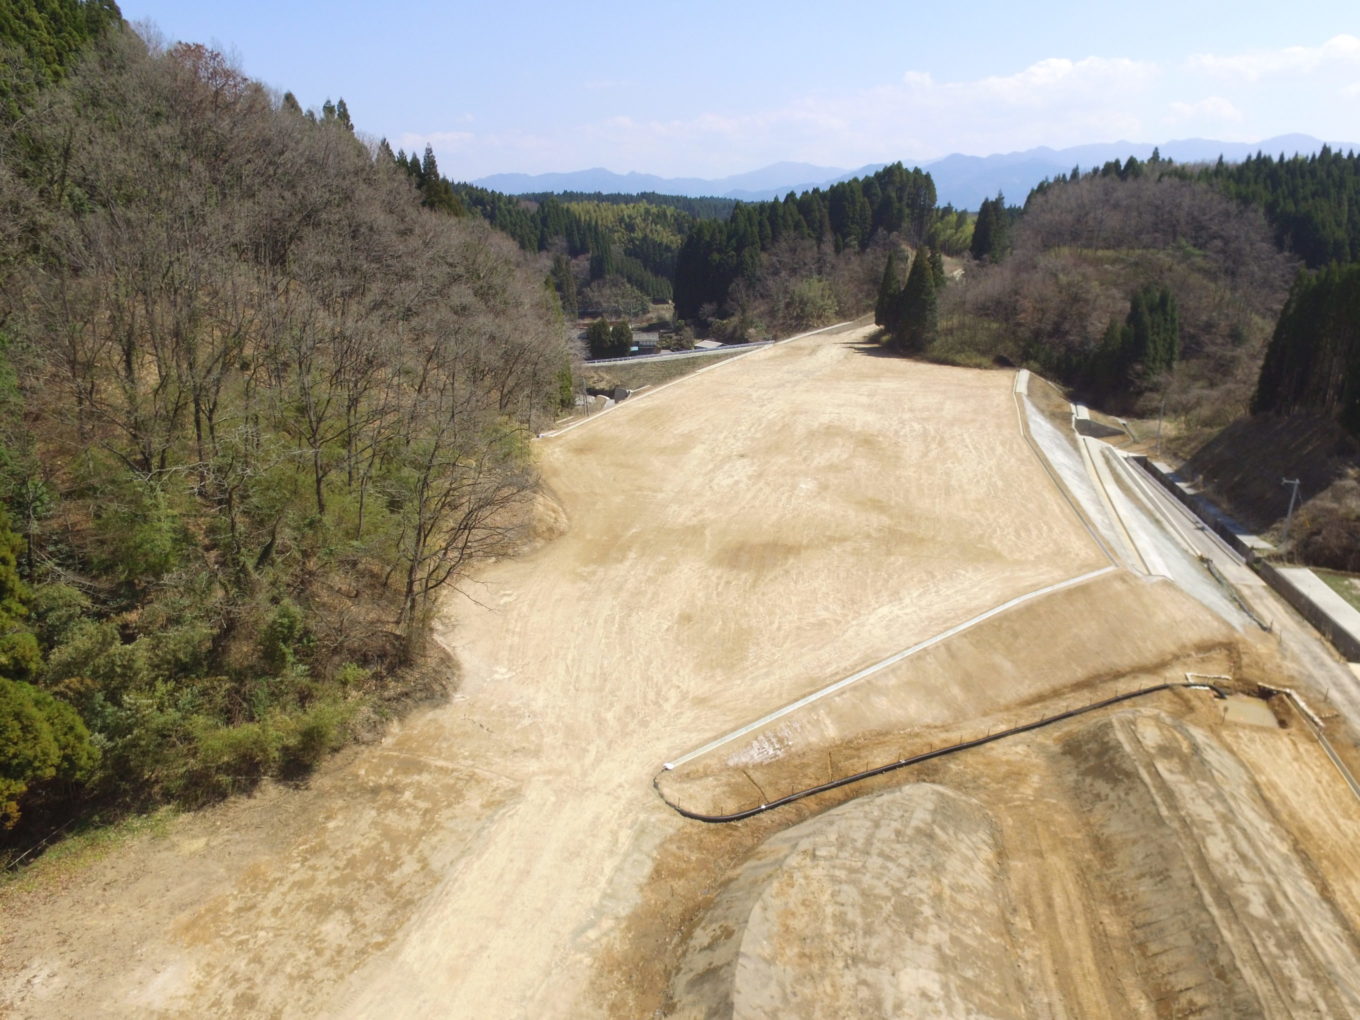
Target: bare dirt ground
[(1121, 865), (734, 541)]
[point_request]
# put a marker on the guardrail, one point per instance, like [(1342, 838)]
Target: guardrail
[(647, 359)]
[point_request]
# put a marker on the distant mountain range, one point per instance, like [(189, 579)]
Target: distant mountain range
[(961, 181)]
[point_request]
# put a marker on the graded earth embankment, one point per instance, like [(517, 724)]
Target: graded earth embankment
[(1059, 651)]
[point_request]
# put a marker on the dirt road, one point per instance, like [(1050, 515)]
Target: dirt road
[(735, 541)]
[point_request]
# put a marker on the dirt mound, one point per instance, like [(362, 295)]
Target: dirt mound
[(831, 918), (1130, 866), (1058, 651)]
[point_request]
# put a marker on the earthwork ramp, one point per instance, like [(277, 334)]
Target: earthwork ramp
[(1074, 646)]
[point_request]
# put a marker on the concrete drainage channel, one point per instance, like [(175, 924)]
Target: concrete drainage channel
[(1316, 726), (940, 752)]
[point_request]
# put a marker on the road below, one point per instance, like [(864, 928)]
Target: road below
[(1317, 664)]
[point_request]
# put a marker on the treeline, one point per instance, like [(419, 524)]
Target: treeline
[(1312, 365), (846, 217), (640, 253), (697, 208), (259, 409), (730, 267), (1204, 250), (1312, 202)]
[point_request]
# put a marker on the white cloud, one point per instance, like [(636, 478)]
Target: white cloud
[(1057, 76), (1212, 108), (1057, 101), (1341, 50)]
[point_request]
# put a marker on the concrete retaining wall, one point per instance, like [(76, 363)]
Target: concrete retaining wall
[(1301, 588), (1331, 621), (1248, 546)]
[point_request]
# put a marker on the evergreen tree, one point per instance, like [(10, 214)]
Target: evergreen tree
[(983, 229), (41, 738), (19, 656), (887, 291), (916, 321), (599, 339), (991, 232), (620, 340), (1155, 338), (564, 282), (1134, 354), (1107, 369), (937, 268), (1313, 362)]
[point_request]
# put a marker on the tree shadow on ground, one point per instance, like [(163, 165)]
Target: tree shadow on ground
[(870, 347)]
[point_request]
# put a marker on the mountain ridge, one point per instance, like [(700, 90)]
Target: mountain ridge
[(962, 181)]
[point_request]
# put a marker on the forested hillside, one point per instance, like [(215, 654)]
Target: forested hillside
[(1161, 290), (804, 260), (259, 409), (1222, 240), (1082, 252), (1312, 202), (1312, 365)]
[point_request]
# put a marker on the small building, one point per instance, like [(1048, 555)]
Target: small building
[(646, 343)]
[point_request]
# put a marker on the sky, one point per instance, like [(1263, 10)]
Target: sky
[(707, 89)]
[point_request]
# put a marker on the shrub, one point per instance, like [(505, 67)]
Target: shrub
[(41, 738), (308, 737)]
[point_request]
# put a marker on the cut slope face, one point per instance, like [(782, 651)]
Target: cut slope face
[(1224, 913), (1129, 866)]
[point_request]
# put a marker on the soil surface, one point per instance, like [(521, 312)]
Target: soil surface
[(734, 541), (1127, 865)]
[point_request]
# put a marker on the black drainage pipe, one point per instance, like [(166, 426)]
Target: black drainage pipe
[(938, 752)]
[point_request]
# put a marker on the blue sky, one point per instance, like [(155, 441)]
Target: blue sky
[(707, 89)]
